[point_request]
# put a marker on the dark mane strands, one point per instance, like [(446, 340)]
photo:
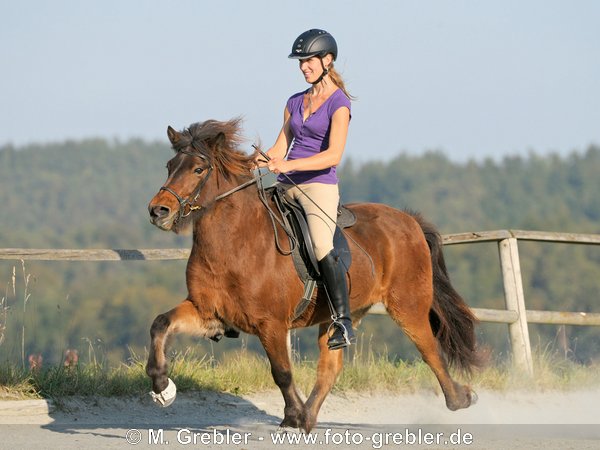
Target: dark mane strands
[(202, 137)]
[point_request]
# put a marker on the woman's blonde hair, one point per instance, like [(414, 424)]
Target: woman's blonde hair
[(339, 81)]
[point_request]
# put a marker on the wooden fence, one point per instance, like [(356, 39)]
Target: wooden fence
[(515, 314)]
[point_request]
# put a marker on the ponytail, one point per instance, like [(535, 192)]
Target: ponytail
[(339, 81)]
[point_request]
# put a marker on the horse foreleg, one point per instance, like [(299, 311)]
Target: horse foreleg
[(275, 343), (184, 318), (328, 368)]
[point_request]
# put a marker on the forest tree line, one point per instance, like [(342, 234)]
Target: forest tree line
[(94, 194)]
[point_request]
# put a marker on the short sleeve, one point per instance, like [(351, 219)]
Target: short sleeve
[(340, 100), (294, 102)]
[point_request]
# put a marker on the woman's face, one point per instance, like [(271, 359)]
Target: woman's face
[(312, 68)]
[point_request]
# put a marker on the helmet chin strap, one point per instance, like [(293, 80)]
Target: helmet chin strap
[(325, 72)]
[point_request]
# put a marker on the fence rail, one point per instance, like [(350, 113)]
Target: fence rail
[(38, 254), (515, 315)]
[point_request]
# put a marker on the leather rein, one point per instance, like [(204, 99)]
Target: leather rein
[(193, 197)]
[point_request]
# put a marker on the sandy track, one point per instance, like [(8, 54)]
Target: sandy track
[(214, 420)]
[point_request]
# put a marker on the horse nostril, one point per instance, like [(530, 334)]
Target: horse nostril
[(160, 211)]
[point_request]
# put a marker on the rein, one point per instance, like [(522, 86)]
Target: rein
[(264, 155), (261, 194), (193, 197)]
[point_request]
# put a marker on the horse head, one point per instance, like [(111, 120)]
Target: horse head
[(206, 159)]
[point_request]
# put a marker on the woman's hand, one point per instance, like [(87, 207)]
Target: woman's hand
[(260, 161), (278, 165)]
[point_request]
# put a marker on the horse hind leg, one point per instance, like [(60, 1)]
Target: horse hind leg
[(328, 368), (184, 318), (413, 317)]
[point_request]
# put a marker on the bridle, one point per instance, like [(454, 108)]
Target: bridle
[(193, 197)]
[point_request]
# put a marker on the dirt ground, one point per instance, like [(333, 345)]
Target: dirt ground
[(519, 420)]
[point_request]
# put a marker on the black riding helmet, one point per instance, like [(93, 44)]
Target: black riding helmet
[(314, 42)]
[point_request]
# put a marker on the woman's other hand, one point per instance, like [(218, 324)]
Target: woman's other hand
[(278, 165), (260, 161)]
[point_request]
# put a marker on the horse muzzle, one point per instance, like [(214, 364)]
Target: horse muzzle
[(161, 216)]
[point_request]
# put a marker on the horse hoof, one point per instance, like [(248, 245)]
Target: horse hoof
[(166, 397)]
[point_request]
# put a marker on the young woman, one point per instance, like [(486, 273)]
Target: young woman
[(307, 150)]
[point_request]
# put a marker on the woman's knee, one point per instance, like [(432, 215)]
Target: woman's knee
[(322, 250)]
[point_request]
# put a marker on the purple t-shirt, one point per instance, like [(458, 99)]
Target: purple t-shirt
[(312, 136)]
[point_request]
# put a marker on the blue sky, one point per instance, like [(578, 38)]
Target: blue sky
[(473, 79)]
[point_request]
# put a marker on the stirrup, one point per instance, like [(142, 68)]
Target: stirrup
[(338, 326)]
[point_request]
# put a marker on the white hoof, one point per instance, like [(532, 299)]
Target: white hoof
[(166, 397)]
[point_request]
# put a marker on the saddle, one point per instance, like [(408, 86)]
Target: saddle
[(302, 251)]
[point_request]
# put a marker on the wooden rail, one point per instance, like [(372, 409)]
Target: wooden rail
[(515, 315), (37, 254)]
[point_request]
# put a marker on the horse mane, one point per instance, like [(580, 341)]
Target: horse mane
[(219, 143)]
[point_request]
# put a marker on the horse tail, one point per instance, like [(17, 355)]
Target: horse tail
[(451, 320)]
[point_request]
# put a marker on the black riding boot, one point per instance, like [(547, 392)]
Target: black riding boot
[(334, 278)]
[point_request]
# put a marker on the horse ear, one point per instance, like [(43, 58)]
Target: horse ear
[(173, 135), (219, 140)]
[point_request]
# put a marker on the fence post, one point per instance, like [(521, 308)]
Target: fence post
[(515, 301)]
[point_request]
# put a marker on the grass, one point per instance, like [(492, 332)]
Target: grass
[(245, 372)]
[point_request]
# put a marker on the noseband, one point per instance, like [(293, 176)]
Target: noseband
[(195, 193)]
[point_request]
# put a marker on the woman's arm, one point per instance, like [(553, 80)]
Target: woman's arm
[(325, 159)]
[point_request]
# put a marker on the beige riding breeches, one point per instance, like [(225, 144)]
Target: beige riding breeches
[(321, 224)]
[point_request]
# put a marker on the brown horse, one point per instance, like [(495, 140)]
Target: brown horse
[(237, 280)]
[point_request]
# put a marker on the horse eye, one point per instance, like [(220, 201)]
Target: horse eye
[(199, 170)]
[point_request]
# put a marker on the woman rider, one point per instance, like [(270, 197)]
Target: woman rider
[(315, 126)]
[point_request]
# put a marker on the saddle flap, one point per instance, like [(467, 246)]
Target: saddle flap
[(303, 236), (304, 256)]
